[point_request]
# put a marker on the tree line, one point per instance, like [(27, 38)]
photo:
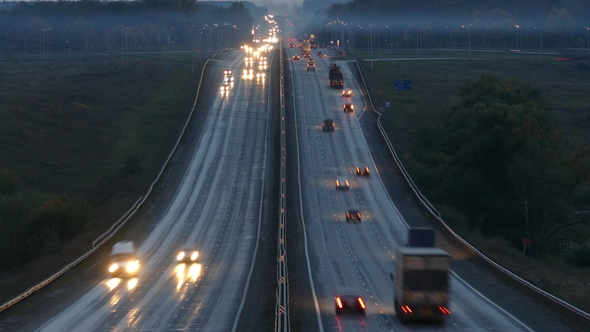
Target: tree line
[(526, 24), (63, 26)]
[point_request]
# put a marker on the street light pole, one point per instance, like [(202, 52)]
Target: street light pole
[(540, 41), (517, 26)]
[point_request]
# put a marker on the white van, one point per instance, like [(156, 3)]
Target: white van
[(123, 260)]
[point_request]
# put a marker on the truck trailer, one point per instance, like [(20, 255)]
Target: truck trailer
[(336, 79), (421, 283)]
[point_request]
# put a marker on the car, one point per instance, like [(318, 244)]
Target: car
[(347, 93), (353, 215), (324, 56), (342, 183), (296, 58), (348, 107), (362, 170), (318, 53), (227, 72), (311, 66), (349, 299), (307, 56), (328, 125), (228, 78), (225, 86), (187, 255), (123, 261)]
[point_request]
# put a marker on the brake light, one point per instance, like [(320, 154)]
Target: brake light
[(361, 303), (339, 303), (406, 309), (444, 310)]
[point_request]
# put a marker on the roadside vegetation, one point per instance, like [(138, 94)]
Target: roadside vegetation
[(501, 148), (81, 140)]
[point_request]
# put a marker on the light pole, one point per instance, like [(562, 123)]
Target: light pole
[(588, 38), (517, 26), (450, 36), (583, 43), (540, 41), (469, 38), (69, 53), (489, 44)]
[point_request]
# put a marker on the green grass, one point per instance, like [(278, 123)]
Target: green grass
[(435, 87)]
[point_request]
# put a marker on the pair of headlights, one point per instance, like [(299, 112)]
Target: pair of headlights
[(130, 267)]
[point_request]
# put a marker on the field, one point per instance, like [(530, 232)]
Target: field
[(95, 128), (435, 87)]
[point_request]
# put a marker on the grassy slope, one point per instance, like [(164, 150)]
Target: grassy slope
[(68, 126), (435, 85)]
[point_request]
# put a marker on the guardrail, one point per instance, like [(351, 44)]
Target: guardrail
[(121, 222), (437, 215), (282, 307)]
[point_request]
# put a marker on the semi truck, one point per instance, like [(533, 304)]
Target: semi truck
[(336, 79), (421, 281), (306, 47)]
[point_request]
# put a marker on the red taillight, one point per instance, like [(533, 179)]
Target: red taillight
[(339, 302), (361, 303), (444, 310), (406, 309)]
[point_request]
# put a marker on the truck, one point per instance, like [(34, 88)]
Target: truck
[(421, 282), (336, 79), (306, 48)]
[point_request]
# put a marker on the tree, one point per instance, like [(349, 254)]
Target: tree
[(501, 159)]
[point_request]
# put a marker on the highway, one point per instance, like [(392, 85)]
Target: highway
[(216, 209), (343, 254), (219, 207)]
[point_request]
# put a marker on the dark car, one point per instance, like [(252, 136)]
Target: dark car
[(295, 57), (328, 125), (348, 107), (362, 170), (349, 299), (353, 215)]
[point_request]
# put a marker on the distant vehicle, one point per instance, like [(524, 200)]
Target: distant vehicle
[(347, 93), (225, 86), (324, 56), (305, 47), (362, 170), (328, 125), (307, 56), (353, 215), (348, 107), (421, 283), (349, 299), (310, 66), (342, 183), (187, 255), (123, 261), (311, 61), (295, 57), (227, 72), (318, 53)]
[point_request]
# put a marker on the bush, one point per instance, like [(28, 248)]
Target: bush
[(580, 257)]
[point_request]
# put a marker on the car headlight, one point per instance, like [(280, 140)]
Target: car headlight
[(132, 266), (180, 256), (113, 267), (194, 255)]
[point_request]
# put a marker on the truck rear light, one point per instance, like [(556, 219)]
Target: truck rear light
[(406, 309), (444, 310), (339, 302), (361, 303)]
